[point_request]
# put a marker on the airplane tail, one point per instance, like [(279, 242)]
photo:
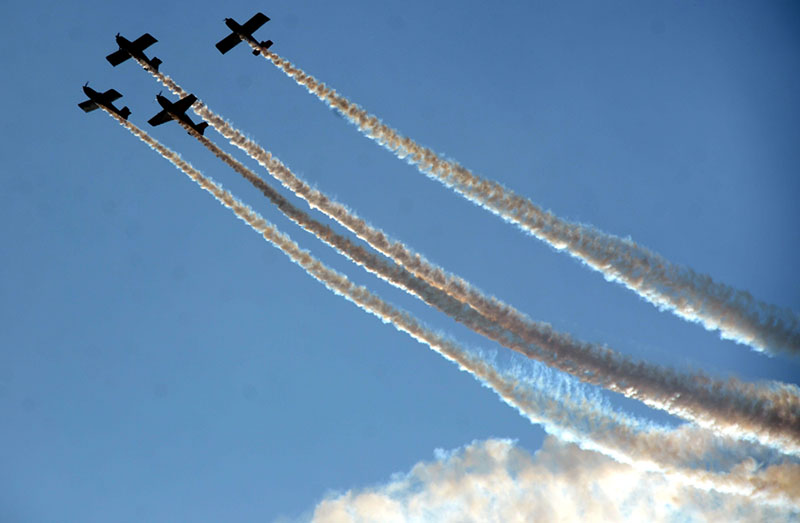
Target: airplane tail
[(202, 127), (125, 112), (154, 63), (264, 45)]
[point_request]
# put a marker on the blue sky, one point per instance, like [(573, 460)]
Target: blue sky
[(160, 362)]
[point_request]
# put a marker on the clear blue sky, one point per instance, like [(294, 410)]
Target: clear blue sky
[(160, 362)]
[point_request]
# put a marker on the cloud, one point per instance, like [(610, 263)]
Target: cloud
[(496, 480)]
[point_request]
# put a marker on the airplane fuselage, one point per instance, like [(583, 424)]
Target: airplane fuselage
[(104, 100), (167, 106), (234, 26), (127, 46), (99, 98), (91, 93), (244, 33), (179, 117), (133, 50)]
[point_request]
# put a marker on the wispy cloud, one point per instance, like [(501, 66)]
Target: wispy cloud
[(496, 480)]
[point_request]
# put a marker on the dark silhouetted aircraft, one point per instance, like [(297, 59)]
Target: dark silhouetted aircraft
[(177, 111), (105, 99), (135, 49), (243, 32)]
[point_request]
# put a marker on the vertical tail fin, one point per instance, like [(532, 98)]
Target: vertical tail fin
[(154, 63), (125, 112), (201, 127)]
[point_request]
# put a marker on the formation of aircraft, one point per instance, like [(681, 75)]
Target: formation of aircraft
[(177, 111), (244, 33), (106, 99), (170, 110), (135, 49)]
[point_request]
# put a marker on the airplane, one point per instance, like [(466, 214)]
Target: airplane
[(177, 111), (135, 49), (244, 33), (105, 99)]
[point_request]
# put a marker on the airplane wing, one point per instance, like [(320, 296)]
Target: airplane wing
[(144, 41), (184, 103), (117, 57), (88, 106), (162, 117), (111, 95), (254, 23), (228, 43)]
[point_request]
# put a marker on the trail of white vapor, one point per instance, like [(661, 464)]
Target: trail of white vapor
[(692, 296), (572, 413), (767, 412)]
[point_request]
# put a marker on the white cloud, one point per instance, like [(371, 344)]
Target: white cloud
[(495, 480)]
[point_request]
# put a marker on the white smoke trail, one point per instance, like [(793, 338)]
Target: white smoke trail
[(692, 296), (407, 282), (392, 274), (613, 434), (768, 412)]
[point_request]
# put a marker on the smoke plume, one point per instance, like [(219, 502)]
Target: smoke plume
[(692, 296)]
